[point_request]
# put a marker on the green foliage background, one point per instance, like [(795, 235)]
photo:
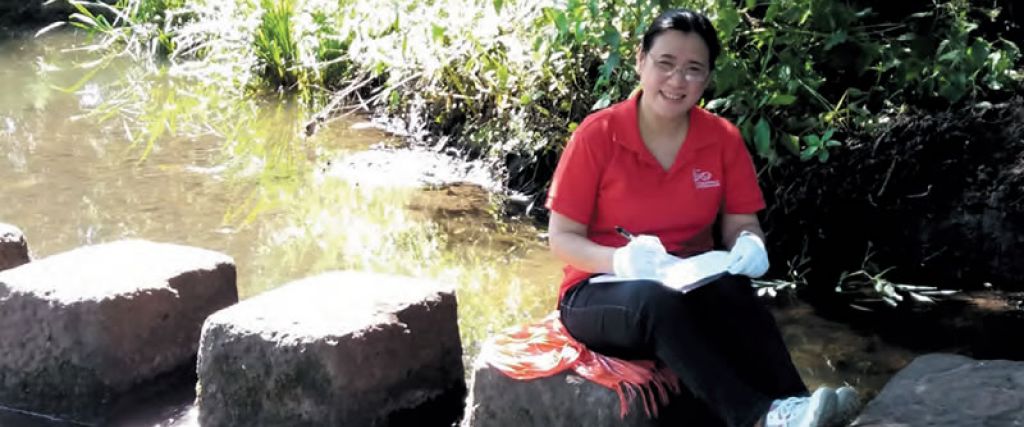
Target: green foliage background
[(499, 78)]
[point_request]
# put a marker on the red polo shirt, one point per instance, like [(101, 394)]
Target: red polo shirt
[(607, 177)]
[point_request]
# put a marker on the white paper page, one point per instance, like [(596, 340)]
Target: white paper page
[(685, 276)]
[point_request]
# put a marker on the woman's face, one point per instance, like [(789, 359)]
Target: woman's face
[(673, 73)]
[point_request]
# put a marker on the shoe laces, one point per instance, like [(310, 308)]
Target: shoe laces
[(785, 411)]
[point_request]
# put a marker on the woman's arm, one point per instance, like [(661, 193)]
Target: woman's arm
[(568, 241), (734, 224)]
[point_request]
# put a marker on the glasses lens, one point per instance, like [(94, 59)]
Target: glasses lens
[(695, 76)]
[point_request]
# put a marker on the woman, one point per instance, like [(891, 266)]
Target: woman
[(659, 165)]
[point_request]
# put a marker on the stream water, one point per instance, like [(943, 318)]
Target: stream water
[(71, 177)]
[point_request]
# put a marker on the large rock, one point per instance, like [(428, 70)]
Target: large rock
[(950, 390), (13, 248), (342, 348), (566, 400), (79, 328)]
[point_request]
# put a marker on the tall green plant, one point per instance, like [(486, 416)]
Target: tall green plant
[(276, 47)]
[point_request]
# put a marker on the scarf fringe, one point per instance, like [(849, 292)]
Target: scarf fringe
[(545, 348)]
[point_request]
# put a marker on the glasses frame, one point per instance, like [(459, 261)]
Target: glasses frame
[(681, 71)]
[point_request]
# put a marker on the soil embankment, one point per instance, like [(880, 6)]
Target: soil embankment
[(939, 197)]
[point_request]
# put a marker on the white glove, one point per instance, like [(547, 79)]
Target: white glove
[(641, 258), (748, 256)]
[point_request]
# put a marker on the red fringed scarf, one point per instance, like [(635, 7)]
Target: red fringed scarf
[(545, 348)]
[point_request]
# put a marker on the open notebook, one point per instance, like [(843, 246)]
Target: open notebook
[(687, 275)]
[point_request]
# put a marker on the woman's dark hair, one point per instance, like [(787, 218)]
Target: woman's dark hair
[(687, 21)]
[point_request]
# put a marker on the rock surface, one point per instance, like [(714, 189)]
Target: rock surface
[(342, 348), (80, 328), (565, 400), (13, 247), (950, 390)]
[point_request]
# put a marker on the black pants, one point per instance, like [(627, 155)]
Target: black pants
[(721, 342)]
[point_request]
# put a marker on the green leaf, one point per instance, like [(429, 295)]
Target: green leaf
[(437, 32), (773, 9), (950, 56), (953, 90), (562, 24), (782, 99), (86, 19), (498, 4), (763, 137), (823, 156), (611, 37), (792, 143), (717, 104), (828, 134), (728, 20), (807, 153), (610, 65), (835, 39), (979, 52)]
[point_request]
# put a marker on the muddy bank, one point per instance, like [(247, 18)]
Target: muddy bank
[(938, 196)]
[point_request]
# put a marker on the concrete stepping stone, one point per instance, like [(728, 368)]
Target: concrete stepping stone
[(13, 248), (341, 348), (81, 328)]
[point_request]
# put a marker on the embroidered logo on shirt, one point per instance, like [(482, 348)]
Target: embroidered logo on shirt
[(703, 179)]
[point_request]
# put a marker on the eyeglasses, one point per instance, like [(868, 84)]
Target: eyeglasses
[(691, 73)]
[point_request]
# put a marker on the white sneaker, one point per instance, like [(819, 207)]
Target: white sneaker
[(847, 404), (814, 411)]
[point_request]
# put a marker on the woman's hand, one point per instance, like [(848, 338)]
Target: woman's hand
[(641, 258), (748, 256)]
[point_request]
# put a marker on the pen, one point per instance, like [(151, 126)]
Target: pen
[(625, 233)]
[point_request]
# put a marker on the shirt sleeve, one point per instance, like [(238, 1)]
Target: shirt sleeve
[(742, 192), (573, 190)]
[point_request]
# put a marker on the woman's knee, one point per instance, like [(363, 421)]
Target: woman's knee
[(644, 291), (652, 300), (730, 289)]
